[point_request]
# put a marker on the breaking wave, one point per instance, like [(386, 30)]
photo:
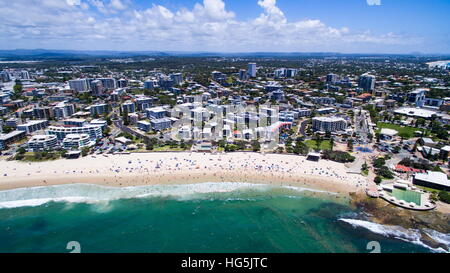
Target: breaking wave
[(408, 235), (89, 193)]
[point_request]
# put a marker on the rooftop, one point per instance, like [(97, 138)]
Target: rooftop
[(418, 112), (434, 177)]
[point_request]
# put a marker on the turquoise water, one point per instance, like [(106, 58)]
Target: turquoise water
[(207, 217)]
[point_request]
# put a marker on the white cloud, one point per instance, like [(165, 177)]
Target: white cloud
[(73, 2), (373, 2), (99, 5), (117, 4), (207, 26), (213, 9)]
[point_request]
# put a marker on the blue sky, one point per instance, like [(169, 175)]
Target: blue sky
[(349, 26)]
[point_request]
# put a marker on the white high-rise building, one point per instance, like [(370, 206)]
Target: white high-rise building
[(108, 83), (251, 70), (366, 82), (79, 85), (177, 78), (329, 124), (24, 75), (242, 74)]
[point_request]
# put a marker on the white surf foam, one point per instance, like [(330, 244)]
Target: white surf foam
[(438, 237), (300, 189), (89, 193), (397, 232)]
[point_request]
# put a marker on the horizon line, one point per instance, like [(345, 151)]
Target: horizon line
[(225, 52)]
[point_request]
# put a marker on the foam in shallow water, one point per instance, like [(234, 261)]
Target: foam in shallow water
[(87, 193)]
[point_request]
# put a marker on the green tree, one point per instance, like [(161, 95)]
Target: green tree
[(125, 119), (377, 180), (21, 150), (300, 148), (350, 144), (256, 146), (444, 197), (85, 151)]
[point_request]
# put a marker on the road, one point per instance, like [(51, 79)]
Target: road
[(362, 126), (126, 129), (302, 127)]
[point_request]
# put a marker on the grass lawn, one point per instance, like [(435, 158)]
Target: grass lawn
[(427, 189), (313, 144), (405, 132), (166, 148)]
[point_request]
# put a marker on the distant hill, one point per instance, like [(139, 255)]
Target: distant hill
[(27, 54)]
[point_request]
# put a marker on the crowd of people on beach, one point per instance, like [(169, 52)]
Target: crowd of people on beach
[(145, 169)]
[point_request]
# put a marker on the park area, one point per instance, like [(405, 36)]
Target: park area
[(403, 131), (318, 145)]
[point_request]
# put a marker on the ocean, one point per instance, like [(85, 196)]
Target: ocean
[(207, 217)]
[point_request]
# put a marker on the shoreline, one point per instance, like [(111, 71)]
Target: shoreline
[(145, 169), (183, 168)]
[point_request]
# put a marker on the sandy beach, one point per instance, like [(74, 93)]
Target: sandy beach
[(139, 169)]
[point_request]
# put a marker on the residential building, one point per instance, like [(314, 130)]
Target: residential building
[(160, 124), (128, 107), (251, 70), (99, 122), (99, 109), (150, 84), (177, 78), (43, 112), (33, 125), (108, 83), (143, 103), (243, 75), (6, 139), (77, 141), (417, 97), (122, 83), (329, 124), (79, 85), (156, 112), (97, 88), (94, 131), (332, 78), (42, 143), (75, 122), (63, 110), (144, 126), (367, 82)]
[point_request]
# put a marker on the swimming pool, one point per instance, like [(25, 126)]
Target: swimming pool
[(407, 195)]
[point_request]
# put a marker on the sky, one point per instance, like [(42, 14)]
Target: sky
[(346, 26)]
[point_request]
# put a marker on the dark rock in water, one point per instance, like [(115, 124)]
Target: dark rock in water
[(431, 242), (382, 212)]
